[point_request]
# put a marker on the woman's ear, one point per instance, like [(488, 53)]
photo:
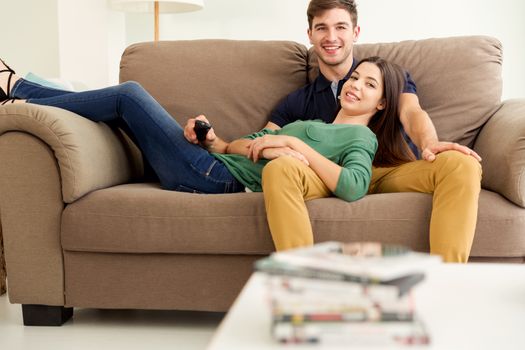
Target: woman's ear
[(381, 105)]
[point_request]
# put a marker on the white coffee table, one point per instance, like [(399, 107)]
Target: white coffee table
[(472, 306)]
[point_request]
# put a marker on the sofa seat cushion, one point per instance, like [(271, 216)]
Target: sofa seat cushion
[(143, 218)]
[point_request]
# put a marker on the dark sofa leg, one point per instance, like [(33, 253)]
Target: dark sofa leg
[(44, 315)]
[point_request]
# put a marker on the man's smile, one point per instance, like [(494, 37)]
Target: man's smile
[(331, 48)]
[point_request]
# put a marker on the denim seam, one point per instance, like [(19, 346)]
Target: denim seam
[(207, 173), (14, 87), (215, 181)]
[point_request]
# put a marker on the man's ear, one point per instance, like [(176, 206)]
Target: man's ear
[(357, 31), (309, 32)]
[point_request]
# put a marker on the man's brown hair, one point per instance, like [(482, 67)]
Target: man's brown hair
[(316, 7)]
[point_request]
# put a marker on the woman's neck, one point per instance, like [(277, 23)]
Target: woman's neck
[(343, 118)]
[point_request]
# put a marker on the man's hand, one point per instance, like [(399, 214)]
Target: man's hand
[(430, 152), (191, 136), (276, 152)]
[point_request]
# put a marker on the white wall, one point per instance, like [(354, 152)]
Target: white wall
[(82, 40), (503, 19), (76, 40), (91, 39), (29, 40), (227, 19), (380, 20)]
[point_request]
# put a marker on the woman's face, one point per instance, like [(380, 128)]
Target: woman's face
[(362, 94)]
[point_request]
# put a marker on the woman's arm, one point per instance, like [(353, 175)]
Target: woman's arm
[(212, 143), (348, 182), (215, 144), (239, 146), (242, 146), (327, 170)]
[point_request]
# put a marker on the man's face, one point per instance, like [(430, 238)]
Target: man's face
[(333, 36)]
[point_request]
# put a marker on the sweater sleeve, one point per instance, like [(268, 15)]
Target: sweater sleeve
[(355, 177), (259, 134)]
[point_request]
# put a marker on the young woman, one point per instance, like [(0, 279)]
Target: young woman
[(341, 154), (370, 97)]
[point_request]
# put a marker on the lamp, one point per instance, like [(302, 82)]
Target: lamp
[(163, 6)]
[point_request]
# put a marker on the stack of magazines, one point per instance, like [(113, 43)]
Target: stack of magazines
[(346, 293)]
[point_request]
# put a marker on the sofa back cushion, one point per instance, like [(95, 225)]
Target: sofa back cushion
[(236, 84), (458, 79)]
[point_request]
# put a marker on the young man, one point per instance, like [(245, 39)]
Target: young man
[(448, 170)]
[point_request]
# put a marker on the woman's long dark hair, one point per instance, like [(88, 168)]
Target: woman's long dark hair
[(392, 148)]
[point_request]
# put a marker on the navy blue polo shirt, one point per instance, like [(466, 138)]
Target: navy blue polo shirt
[(317, 101)]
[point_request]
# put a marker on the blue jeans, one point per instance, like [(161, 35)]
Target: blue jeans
[(180, 165)]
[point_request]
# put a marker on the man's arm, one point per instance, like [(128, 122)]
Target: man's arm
[(421, 130)]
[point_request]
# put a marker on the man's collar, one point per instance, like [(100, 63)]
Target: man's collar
[(321, 83)]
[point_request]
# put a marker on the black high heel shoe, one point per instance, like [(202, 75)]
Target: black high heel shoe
[(4, 95)]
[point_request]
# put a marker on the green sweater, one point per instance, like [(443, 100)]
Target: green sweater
[(351, 146)]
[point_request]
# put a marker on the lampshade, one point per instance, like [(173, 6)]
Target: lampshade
[(165, 6), (162, 6)]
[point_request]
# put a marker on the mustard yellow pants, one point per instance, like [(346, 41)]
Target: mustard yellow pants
[(453, 178)]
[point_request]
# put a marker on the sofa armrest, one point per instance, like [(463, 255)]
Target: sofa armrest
[(48, 157), (90, 155), (501, 144)]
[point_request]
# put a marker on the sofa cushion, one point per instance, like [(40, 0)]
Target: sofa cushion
[(142, 218), (502, 146), (243, 83), (458, 79), (2, 264)]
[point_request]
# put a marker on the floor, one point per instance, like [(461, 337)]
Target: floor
[(110, 329)]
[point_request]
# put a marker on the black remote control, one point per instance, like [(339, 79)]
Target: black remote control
[(201, 129)]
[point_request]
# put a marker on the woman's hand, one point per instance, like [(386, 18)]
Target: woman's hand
[(191, 136), (276, 145), (259, 144), (276, 152)]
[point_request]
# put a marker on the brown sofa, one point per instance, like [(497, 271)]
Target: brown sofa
[(82, 228)]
